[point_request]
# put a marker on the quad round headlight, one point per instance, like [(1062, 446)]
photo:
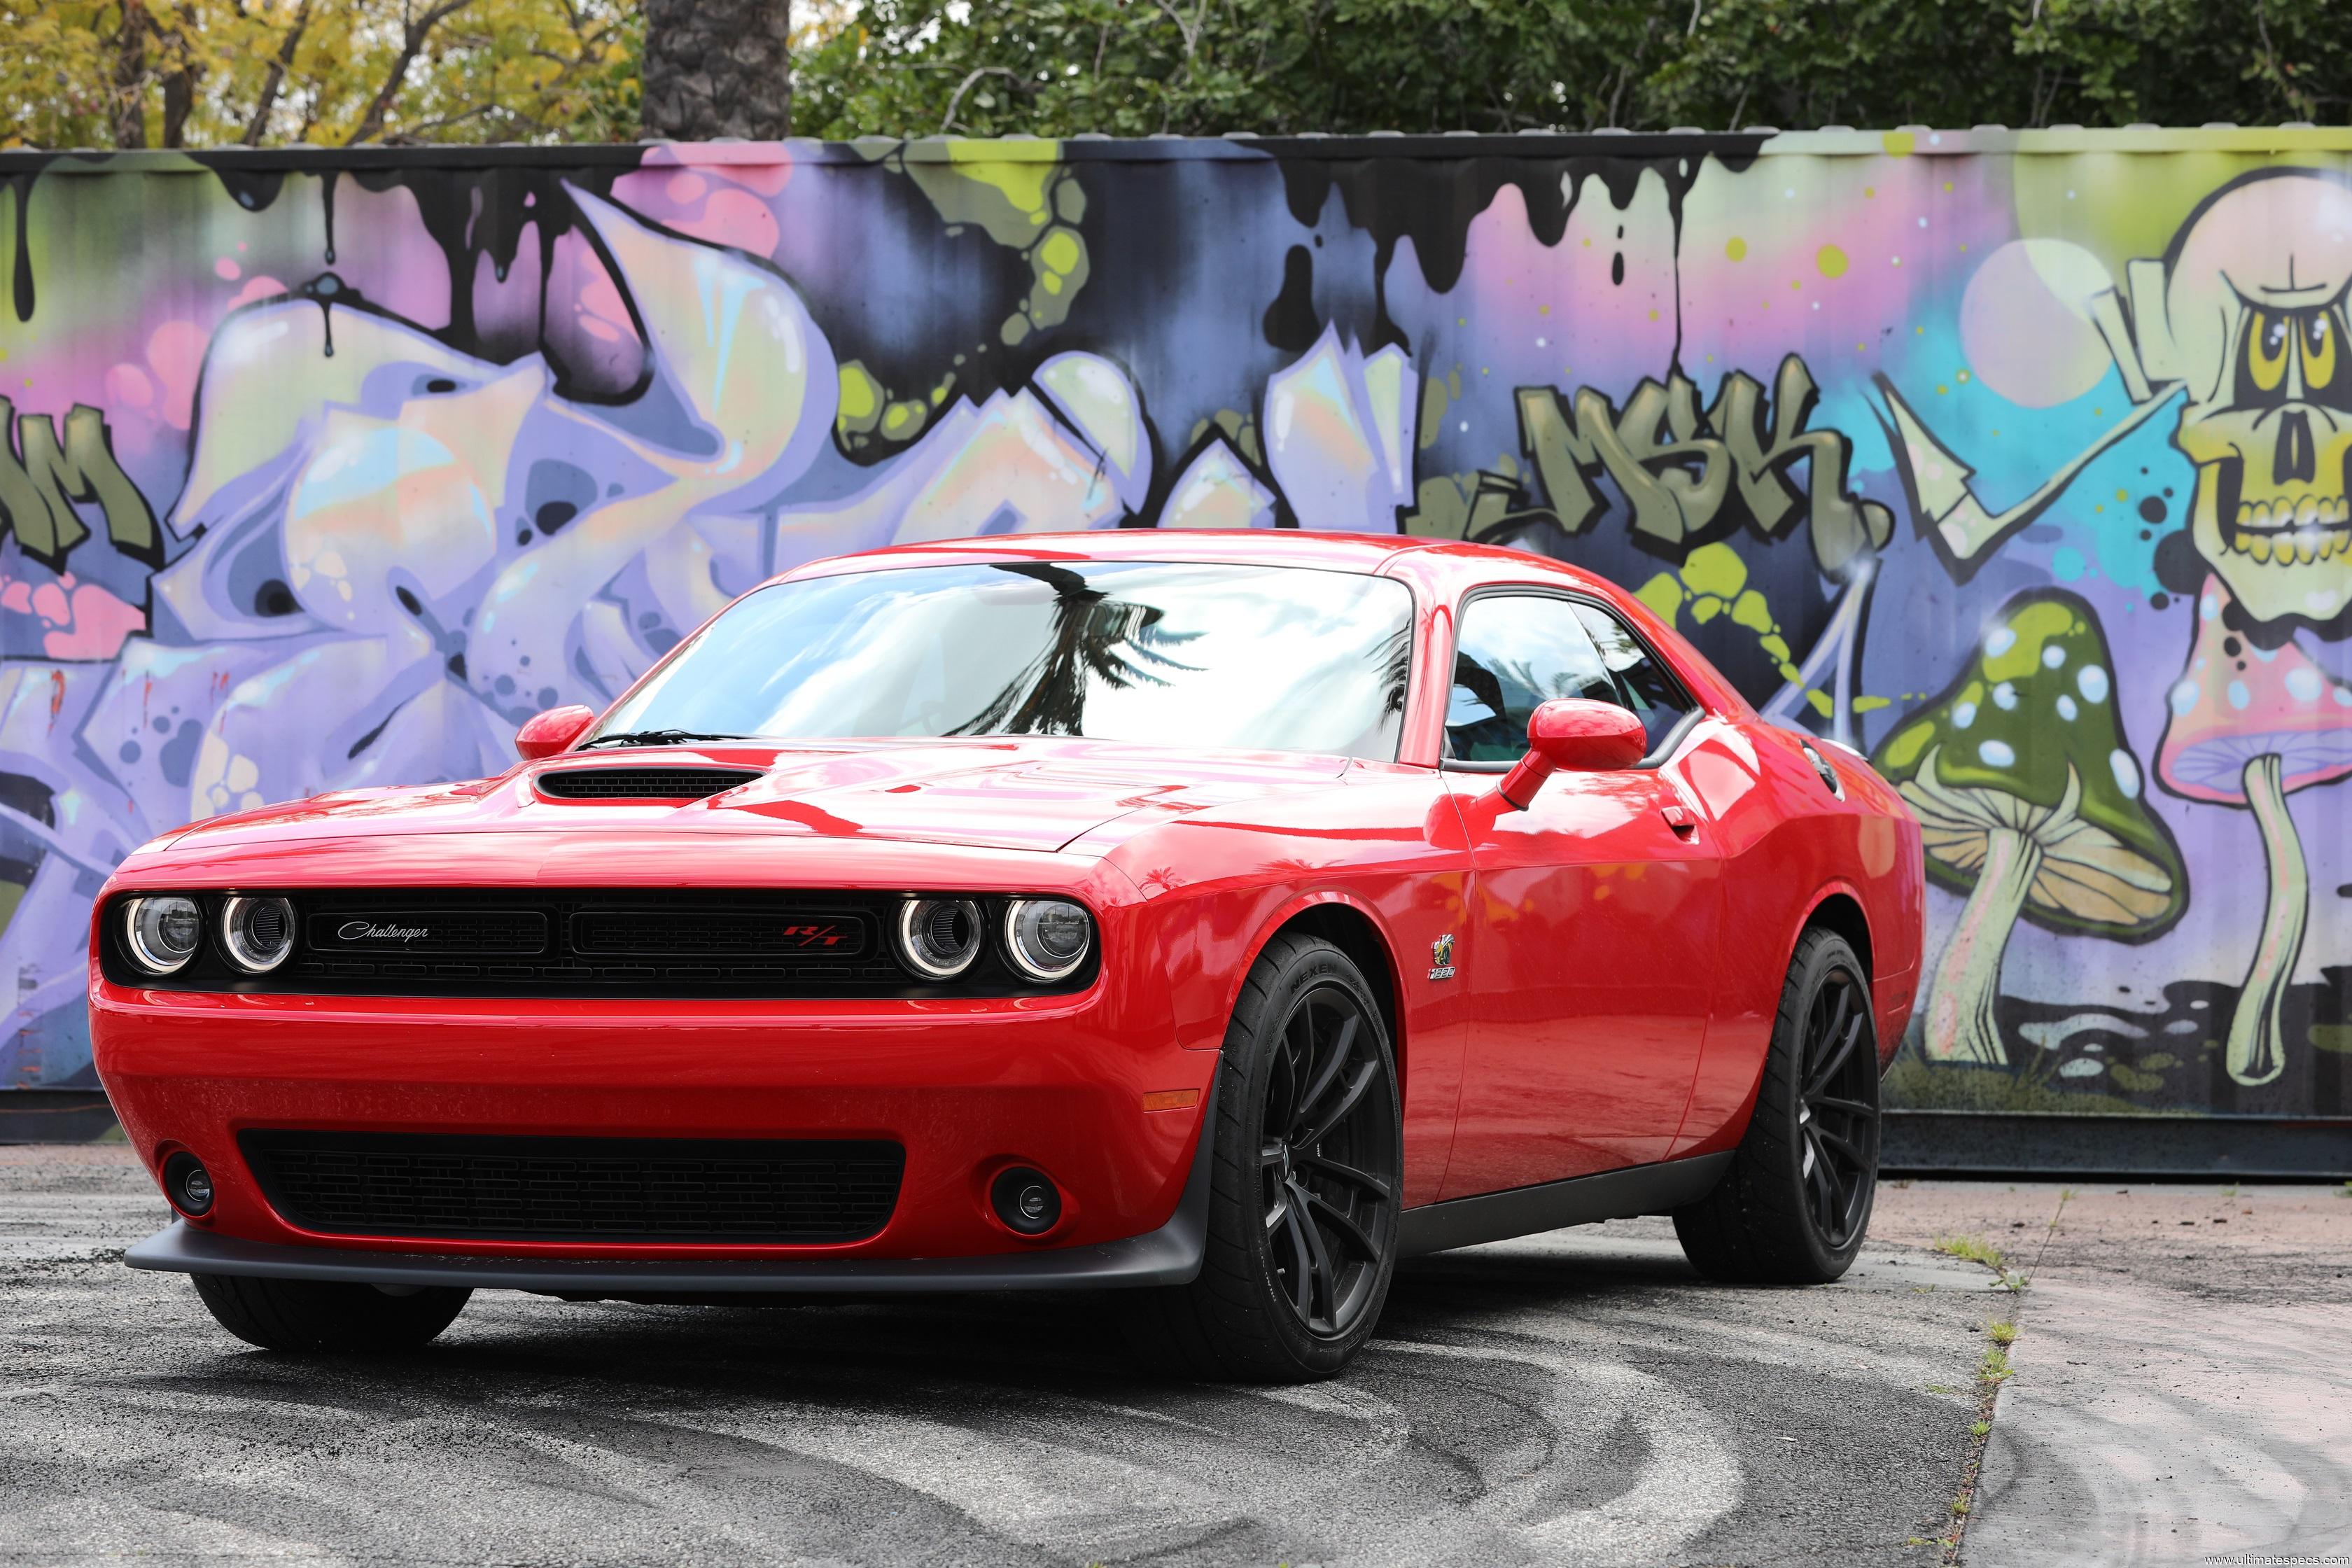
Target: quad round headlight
[(1047, 938), (257, 932), (939, 938), (164, 933)]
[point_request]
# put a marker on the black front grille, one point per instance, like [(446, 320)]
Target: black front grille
[(529, 941), (642, 784), (765, 934), (803, 1191), (380, 929)]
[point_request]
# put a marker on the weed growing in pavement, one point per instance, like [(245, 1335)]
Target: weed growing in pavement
[(1976, 1249), (1991, 1373), (2344, 1191), (2230, 1191)]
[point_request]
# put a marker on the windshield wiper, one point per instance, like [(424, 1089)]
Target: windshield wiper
[(657, 738)]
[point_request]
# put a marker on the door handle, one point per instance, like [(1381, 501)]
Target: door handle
[(1680, 819)]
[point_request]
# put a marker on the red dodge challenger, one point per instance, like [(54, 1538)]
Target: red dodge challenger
[(1219, 918)]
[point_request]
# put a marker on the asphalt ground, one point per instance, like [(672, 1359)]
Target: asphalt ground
[(1581, 1397)]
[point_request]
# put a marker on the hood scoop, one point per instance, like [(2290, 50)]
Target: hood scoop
[(642, 784)]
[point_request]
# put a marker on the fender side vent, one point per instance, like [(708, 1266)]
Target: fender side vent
[(641, 784)]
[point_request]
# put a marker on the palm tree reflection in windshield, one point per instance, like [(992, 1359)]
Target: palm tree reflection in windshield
[(1095, 637)]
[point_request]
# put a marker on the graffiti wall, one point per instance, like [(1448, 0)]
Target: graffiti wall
[(2017, 461)]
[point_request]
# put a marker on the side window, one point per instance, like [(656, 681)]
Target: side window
[(1516, 651), (1643, 684)]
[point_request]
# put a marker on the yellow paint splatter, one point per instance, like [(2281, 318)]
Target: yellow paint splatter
[(1060, 250), (1736, 248), (1831, 260), (1898, 143), (859, 397), (1021, 169)]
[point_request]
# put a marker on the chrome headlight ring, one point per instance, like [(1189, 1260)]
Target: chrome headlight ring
[(1047, 939), (940, 938), (257, 932), (163, 932)]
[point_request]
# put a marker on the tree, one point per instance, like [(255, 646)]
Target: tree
[(172, 73), (718, 68), (1056, 68)]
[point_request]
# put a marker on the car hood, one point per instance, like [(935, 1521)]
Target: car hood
[(1029, 794)]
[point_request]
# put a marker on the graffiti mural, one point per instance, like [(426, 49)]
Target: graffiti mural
[(2016, 463)]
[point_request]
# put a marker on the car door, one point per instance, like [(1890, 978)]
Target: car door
[(1593, 919)]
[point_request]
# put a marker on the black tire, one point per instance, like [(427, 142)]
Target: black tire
[(1307, 1168), (319, 1316), (1794, 1205)]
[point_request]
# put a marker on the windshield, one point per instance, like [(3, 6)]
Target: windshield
[(1257, 657)]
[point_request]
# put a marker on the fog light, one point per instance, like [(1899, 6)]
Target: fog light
[(1026, 1200), (188, 1184)]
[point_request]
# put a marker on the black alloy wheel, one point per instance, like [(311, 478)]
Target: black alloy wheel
[(1837, 1109), (1794, 1202), (1306, 1171), (1329, 1221)]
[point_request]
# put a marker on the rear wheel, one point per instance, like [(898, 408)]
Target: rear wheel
[(1794, 1203), (318, 1315), (1306, 1168)]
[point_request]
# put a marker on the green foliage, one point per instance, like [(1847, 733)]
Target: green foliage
[(209, 73), (1132, 67)]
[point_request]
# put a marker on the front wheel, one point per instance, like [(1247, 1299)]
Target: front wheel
[(315, 1315), (1794, 1202), (1308, 1165)]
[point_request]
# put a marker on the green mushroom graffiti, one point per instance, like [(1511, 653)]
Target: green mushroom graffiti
[(2030, 801)]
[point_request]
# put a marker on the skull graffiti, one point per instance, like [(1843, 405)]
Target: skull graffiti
[(2254, 301)]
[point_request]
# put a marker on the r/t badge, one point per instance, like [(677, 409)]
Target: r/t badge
[(1440, 958)]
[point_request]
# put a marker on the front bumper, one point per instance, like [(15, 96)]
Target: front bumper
[(966, 1087), (1168, 1256)]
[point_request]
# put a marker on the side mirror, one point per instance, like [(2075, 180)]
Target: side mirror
[(1580, 735), (551, 731)]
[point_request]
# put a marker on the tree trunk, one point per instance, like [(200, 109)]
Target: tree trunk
[(718, 68), (131, 77), (179, 103)]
